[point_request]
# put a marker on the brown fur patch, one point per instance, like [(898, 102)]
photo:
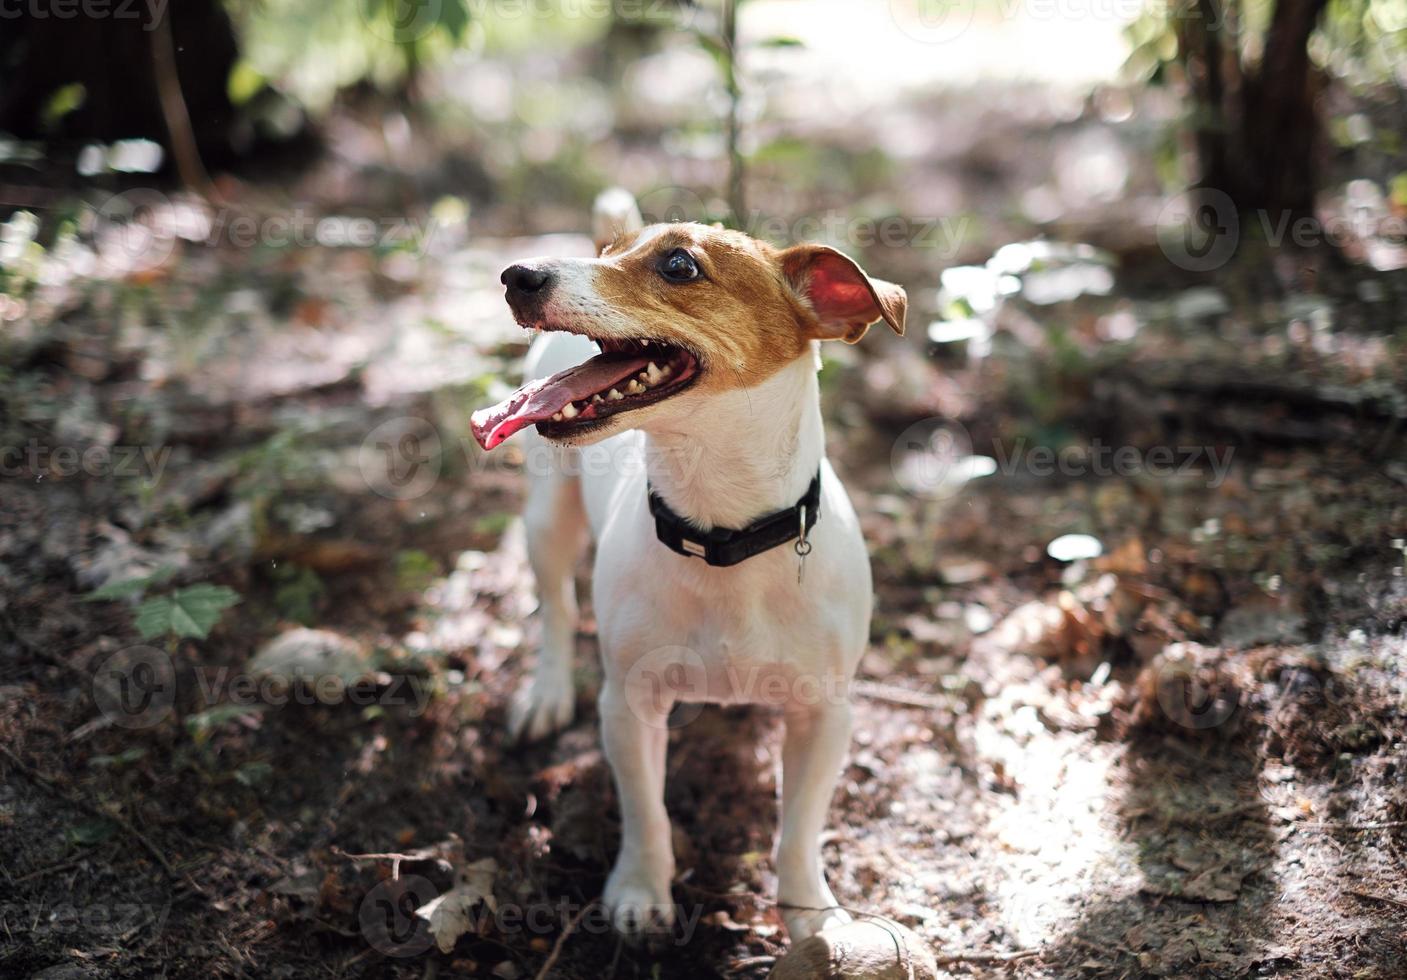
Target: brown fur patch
[(742, 315)]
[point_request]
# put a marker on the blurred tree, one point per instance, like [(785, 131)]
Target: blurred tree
[(1256, 72), (173, 72), (1255, 92), (158, 76)]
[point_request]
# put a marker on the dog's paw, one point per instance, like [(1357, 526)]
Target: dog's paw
[(540, 709), (805, 923), (638, 910)]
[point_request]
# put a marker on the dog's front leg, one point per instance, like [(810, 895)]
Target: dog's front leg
[(817, 737), (635, 733)]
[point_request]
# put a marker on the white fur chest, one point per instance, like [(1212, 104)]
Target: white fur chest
[(750, 633)]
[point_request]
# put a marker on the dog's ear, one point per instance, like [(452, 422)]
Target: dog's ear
[(613, 215), (844, 299)]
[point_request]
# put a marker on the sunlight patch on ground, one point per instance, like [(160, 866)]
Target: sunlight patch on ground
[(1055, 842)]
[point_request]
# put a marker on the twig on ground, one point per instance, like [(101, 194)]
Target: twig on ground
[(47, 871), (424, 854), (900, 695), (1335, 825), (1370, 897), (104, 814), (1021, 954), (1205, 820), (561, 942)]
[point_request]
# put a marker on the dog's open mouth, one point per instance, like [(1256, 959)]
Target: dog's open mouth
[(626, 375)]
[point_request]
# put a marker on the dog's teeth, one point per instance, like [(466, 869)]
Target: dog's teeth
[(613, 396), (666, 371), (596, 399), (570, 412), (653, 373), (557, 417), (634, 388)]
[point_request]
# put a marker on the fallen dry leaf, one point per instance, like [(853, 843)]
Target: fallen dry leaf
[(451, 915)]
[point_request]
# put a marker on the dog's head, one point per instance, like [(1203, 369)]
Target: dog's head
[(680, 311)]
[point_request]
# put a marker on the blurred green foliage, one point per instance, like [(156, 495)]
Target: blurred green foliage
[(1363, 42), (313, 50)]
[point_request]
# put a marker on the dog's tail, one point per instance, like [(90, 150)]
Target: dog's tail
[(614, 213)]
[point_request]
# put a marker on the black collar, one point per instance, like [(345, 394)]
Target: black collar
[(723, 546)]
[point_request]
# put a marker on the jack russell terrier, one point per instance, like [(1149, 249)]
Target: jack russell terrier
[(676, 406)]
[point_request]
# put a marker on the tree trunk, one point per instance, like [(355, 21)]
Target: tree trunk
[(1256, 128), (112, 58)]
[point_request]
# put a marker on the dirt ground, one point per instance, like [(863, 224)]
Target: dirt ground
[(1178, 757)]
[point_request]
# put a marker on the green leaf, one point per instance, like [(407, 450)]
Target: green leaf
[(781, 41), (1397, 189), (244, 82), (121, 759), (454, 18), (415, 570), (204, 724), (89, 832), (189, 612), (64, 100), (299, 590), (716, 48), (130, 586), (253, 774)]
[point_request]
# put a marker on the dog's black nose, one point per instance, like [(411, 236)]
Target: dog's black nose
[(525, 280)]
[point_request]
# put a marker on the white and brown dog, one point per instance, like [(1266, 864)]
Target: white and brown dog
[(675, 400)]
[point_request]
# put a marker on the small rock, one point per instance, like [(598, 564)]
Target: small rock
[(305, 653), (865, 950)]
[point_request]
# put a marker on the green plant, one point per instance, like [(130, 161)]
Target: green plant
[(191, 612), (415, 570), (297, 592), (722, 44)]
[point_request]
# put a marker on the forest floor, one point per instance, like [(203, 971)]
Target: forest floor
[(1180, 756)]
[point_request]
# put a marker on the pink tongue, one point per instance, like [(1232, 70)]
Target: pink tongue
[(540, 400)]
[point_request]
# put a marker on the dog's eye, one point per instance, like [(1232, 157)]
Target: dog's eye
[(679, 266)]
